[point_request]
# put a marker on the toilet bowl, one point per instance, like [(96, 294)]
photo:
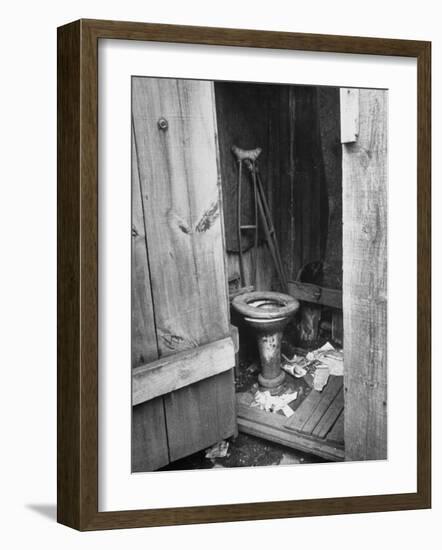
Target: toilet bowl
[(268, 313)]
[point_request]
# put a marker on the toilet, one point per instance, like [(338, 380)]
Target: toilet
[(268, 314)]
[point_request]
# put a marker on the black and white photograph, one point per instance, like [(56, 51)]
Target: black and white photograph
[(258, 274), (219, 234)]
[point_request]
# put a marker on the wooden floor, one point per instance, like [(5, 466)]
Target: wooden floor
[(316, 427)]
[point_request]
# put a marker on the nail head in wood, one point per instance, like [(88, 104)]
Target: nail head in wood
[(163, 124)]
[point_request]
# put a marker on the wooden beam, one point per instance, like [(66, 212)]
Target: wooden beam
[(365, 173), (315, 294), (182, 369)]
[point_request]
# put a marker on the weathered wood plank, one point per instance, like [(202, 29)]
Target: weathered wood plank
[(349, 115), (149, 438), (337, 327), (315, 294), (266, 270), (328, 394), (174, 123), (304, 411), (144, 341), (365, 281), (271, 426), (149, 441), (336, 434), (330, 416), (201, 414), (180, 193), (181, 369), (311, 219), (285, 182), (330, 134)]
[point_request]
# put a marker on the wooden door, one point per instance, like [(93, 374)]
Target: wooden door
[(182, 353)]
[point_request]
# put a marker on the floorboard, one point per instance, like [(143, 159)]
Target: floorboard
[(271, 426)]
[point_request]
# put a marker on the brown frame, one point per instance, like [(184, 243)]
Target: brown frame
[(77, 459)]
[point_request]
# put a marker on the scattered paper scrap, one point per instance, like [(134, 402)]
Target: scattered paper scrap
[(334, 360), (295, 370), (273, 403), (316, 354), (316, 366), (296, 366), (288, 411), (219, 450), (320, 378), (329, 357)]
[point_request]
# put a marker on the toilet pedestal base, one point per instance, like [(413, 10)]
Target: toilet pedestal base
[(274, 385), (269, 336)]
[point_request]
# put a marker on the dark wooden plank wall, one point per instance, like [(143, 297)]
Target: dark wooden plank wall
[(331, 158), (309, 220), (251, 115), (317, 196), (298, 129)]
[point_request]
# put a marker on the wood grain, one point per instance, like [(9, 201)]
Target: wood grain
[(328, 395), (336, 434), (312, 409), (349, 115), (144, 340), (150, 449), (172, 372), (77, 274), (316, 294), (331, 152), (273, 427), (304, 411), (330, 416), (365, 283), (69, 479), (177, 164), (180, 193), (201, 414)]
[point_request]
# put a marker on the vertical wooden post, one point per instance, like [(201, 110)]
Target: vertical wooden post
[(365, 280)]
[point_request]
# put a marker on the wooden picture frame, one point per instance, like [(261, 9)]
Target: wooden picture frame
[(77, 459)]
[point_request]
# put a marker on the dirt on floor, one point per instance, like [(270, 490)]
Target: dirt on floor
[(245, 451)]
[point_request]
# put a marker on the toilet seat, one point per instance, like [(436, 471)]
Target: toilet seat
[(265, 304)]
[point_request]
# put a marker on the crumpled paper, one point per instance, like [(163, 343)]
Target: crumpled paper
[(274, 403)]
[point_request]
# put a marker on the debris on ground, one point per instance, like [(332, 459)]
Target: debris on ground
[(316, 366), (253, 368), (296, 366), (320, 377), (219, 450), (274, 403), (329, 357), (245, 451)]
